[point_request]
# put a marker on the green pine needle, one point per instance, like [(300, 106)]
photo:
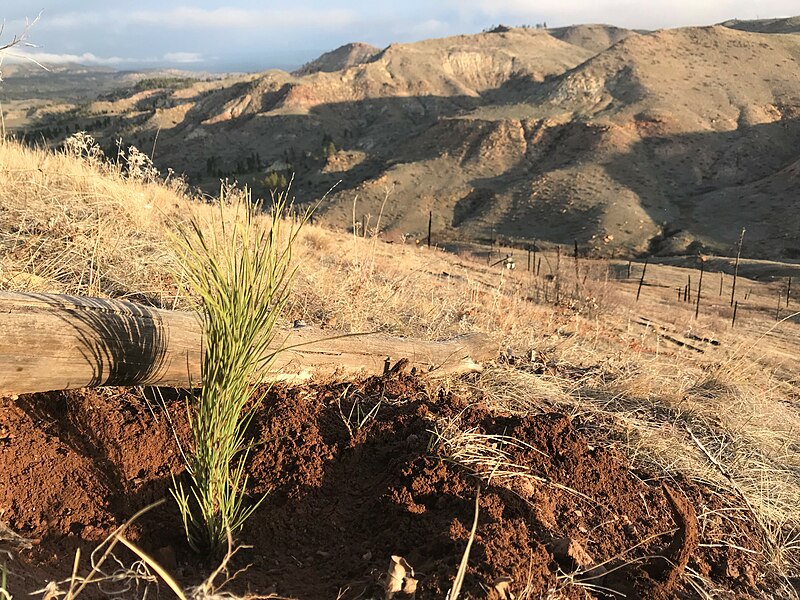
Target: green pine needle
[(240, 269)]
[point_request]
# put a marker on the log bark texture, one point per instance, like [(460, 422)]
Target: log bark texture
[(53, 342)]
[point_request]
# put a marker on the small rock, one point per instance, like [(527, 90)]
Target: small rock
[(570, 554)]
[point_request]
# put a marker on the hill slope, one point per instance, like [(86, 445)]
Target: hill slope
[(592, 37), (786, 25), (666, 142), (632, 392), (343, 57)]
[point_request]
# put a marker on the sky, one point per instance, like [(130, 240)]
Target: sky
[(246, 35)]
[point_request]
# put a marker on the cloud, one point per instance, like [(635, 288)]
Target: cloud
[(49, 58), (88, 58), (427, 28), (183, 57), (73, 20), (625, 13), (188, 17)]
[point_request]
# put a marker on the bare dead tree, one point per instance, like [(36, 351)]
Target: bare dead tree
[(19, 40)]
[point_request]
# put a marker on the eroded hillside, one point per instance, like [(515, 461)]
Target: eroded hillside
[(666, 142)]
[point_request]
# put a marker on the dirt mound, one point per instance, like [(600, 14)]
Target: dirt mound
[(358, 472)]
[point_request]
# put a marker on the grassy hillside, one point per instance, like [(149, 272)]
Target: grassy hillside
[(690, 402)]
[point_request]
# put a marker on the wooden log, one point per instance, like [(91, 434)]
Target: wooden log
[(53, 342)]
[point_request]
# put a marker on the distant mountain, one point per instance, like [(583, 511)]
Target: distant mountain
[(663, 142), (342, 58), (77, 83), (31, 69), (592, 37), (786, 25), (62, 83)]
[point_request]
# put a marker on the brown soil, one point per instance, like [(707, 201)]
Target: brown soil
[(343, 499)]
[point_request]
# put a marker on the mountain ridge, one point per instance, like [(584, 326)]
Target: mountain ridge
[(343, 57), (624, 141)]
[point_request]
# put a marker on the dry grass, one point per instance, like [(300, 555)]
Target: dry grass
[(71, 226), (727, 416)]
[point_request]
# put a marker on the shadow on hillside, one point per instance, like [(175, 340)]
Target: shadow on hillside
[(711, 185), (698, 186), (503, 210)]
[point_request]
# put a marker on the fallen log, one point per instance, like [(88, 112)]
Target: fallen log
[(54, 342)]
